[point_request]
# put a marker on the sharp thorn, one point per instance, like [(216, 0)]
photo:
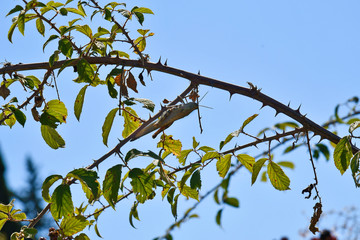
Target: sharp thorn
[(165, 63), (277, 113), (288, 104), (199, 72), (159, 62)]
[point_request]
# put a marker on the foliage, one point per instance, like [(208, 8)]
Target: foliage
[(87, 50)]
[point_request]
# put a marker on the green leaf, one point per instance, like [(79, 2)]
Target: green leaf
[(111, 184), (76, 11), (85, 29), (134, 213), (52, 137), (206, 149), (188, 192), (210, 155), (142, 184), (53, 58), (40, 26), (61, 202), (187, 174), (343, 154), (354, 164), (49, 181), (111, 89), (284, 125), (140, 42), (97, 231), (256, 169), (143, 10), (131, 121), (135, 153), (79, 101), (234, 202), (223, 165), (82, 236), (19, 216), (21, 23), (19, 115), (65, 47), (11, 31), (195, 181), (324, 150), (195, 143), (85, 71), (17, 8), (218, 217), (169, 144), (247, 161), (277, 177), (286, 164), (2, 222), (88, 180), (183, 156), (228, 139), (56, 109), (248, 120), (108, 124), (52, 37), (174, 206), (216, 196), (74, 224)]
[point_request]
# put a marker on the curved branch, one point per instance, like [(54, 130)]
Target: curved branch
[(251, 92)]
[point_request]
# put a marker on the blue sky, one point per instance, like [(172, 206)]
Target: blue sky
[(305, 52)]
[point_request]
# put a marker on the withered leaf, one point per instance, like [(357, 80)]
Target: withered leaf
[(4, 91), (35, 114), (131, 82)]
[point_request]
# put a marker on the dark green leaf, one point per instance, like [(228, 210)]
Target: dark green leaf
[(65, 47), (17, 8), (142, 184), (189, 192), (82, 236), (256, 169), (234, 202), (79, 101), (355, 163), (228, 139), (195, 181), (324, 150), (49, 181), (63, 11), (343, 154), (53, 58), (218, 217), (134, 213), (85, 71), (277, 177), (88, 180), (112, 91), (52, 37), (174, 206), (52, 137), (61, 202), (19, 115), (111, 184), (11, 31)]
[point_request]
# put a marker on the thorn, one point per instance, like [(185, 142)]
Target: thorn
[(264, 136), (148, 71), (256, 146), (298, 110), (231, 94), (277, 112), (165, 63), (159, 62), (263, 105), (288, 104), (199, 72)]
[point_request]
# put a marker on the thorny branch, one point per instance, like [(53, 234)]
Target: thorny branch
[(196, 79)]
